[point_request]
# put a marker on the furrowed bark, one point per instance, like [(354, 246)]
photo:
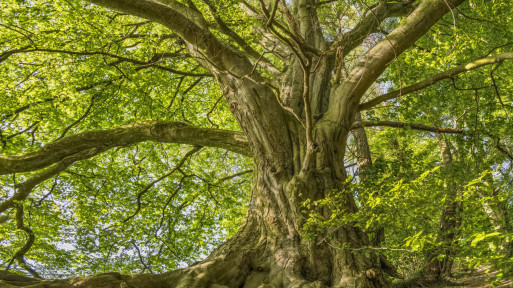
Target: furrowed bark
[(363, 153)]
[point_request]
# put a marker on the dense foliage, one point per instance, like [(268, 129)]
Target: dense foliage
[(70, 67)]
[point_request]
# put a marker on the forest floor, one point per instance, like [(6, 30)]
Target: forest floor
[(478, 278)]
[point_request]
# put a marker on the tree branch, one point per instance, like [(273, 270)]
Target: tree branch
[(20, 254), (145, 265), (370, 24), (436, 78), (229, 177), (190, 26), (244, 88), (25, 107), (24, 188), (223, 28), (345, 98), (408, 125), (149, 186), (142, 64), (159, 131), (503, 149)]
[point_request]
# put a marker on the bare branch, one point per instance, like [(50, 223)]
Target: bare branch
[(436, 78), (145, 265), (159, 131)]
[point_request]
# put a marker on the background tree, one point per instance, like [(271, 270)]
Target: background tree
[(98, 102)]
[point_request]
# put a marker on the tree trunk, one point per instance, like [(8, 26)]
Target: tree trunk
[(298, 128), (270, 250), (450, 221), (497, 211), (364, 162)]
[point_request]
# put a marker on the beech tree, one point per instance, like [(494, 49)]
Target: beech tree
[(108, 101)]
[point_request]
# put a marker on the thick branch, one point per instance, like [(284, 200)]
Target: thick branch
[(370, 24), (160, 131), (436, 78), (190, 26), (223, 28), (24, 188), (344, 100), (408, 125)]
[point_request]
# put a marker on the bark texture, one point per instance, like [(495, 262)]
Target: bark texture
[(297, 132)]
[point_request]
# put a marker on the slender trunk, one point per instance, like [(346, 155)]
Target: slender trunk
[(497, 211), (364, 163), (450, 222)]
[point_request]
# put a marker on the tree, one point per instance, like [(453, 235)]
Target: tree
[(292, 83), (449, 223)]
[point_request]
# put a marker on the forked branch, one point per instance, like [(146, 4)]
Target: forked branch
[(348, 94), (19, 256)]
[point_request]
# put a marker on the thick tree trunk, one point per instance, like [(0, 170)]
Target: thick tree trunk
[(297, 158), (269, 250), (294, 260)]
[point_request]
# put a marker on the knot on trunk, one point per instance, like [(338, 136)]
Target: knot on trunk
[(372, 273)]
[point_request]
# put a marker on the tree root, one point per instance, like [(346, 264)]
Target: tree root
[(217, 271), (247, 260)]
